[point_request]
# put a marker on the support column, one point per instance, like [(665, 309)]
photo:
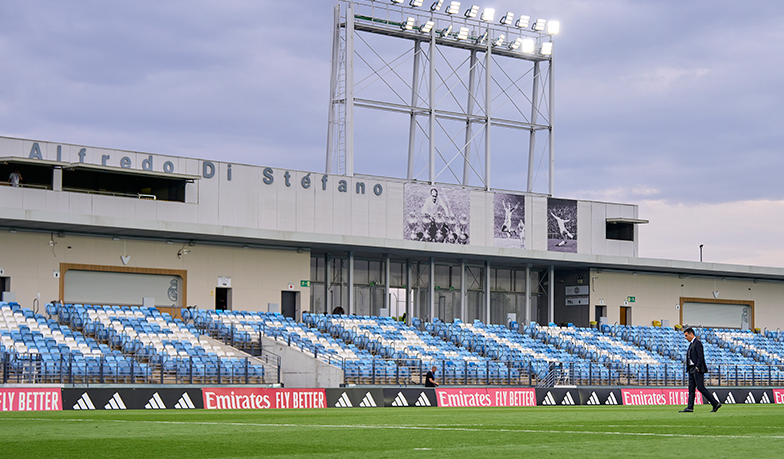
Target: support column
[(470, 110), (527, 295), (551, 295), (408, 292), (333, 81), (463, 292), (532, 139), (414, 103), (350, 90), (350, 309), (327, 285), (387, 277), (431, 95), (488, 97), (487, 292), (552, 123), (431, 288)]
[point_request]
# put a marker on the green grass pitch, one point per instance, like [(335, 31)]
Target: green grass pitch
[(584, 431)]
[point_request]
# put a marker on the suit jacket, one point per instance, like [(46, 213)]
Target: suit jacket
[(695, 354)]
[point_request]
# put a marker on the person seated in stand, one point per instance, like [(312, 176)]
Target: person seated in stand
[(338, 311)]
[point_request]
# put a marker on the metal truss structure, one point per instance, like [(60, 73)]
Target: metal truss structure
[(470, 74)]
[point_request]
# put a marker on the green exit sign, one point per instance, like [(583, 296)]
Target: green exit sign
[(630, 299), (304, 283)]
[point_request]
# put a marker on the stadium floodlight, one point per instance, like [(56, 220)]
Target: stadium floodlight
[(539, 25), (425, 28), (462, 34), (436, 5), (528, 46), (488, 14), (516, 44), (397, 1), (472, 12), (499, 41), (508, 18), (553, 27), (453, 8), (523, 22), (547, 48), (416, 3), (447, 31), (482, 38), (408, 25)]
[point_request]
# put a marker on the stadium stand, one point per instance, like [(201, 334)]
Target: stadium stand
[(112, 344)]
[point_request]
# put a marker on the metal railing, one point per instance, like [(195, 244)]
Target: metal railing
[(35, 368)]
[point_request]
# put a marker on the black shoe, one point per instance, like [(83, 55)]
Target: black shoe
[(716, 408), (687, 410)]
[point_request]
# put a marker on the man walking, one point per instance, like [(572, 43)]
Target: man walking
[(430, 378), (696, 368)]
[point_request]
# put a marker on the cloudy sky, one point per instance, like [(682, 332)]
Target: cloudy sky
[(674, 105)]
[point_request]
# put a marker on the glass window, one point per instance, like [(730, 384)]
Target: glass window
[(397, 274), (361, 272)]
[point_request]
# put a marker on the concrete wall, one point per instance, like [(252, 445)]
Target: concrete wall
[(260, 198), (656, 296), (301, 370), (258, 276)]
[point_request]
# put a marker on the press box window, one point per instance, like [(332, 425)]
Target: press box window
[(620, 231)]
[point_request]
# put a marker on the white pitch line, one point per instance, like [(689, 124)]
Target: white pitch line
[(389, 427)]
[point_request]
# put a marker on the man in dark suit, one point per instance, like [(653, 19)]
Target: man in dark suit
[(696, 368)]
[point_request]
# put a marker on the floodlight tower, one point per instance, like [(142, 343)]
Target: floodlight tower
[(478, 99)]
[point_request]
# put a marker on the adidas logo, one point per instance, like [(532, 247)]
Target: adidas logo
[(368, 401), (115, 403), (594, 399), (344, 402), (184, 403), (549, 399), (750, 398), (730, 398), (611, 400), (422, 400), (155, 403), (84, 403), (567, 400), (765, 398), (400, 400)]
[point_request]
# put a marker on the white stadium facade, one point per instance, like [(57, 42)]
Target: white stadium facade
[(100, 226)]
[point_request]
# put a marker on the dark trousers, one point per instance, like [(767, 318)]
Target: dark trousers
[(697, 381)]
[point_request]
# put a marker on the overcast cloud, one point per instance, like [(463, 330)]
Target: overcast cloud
[(673, 105)]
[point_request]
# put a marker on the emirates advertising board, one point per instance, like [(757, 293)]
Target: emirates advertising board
[(259, 398), (31, 399)]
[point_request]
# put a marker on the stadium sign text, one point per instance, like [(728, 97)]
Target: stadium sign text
[(256, 398), (38, 399)]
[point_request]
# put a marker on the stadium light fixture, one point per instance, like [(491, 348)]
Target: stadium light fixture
[(416, 3), (397, 1), (539, 25), (500, 40), (528, 46), (482, 38), (516, 44), (453, 8), (488, 14), (472, 12), (523, 22), (408, 25), (553, 27), (447, 31), (437, 5), (508, 18), (547, 48), (425, 28), (462, 34)]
